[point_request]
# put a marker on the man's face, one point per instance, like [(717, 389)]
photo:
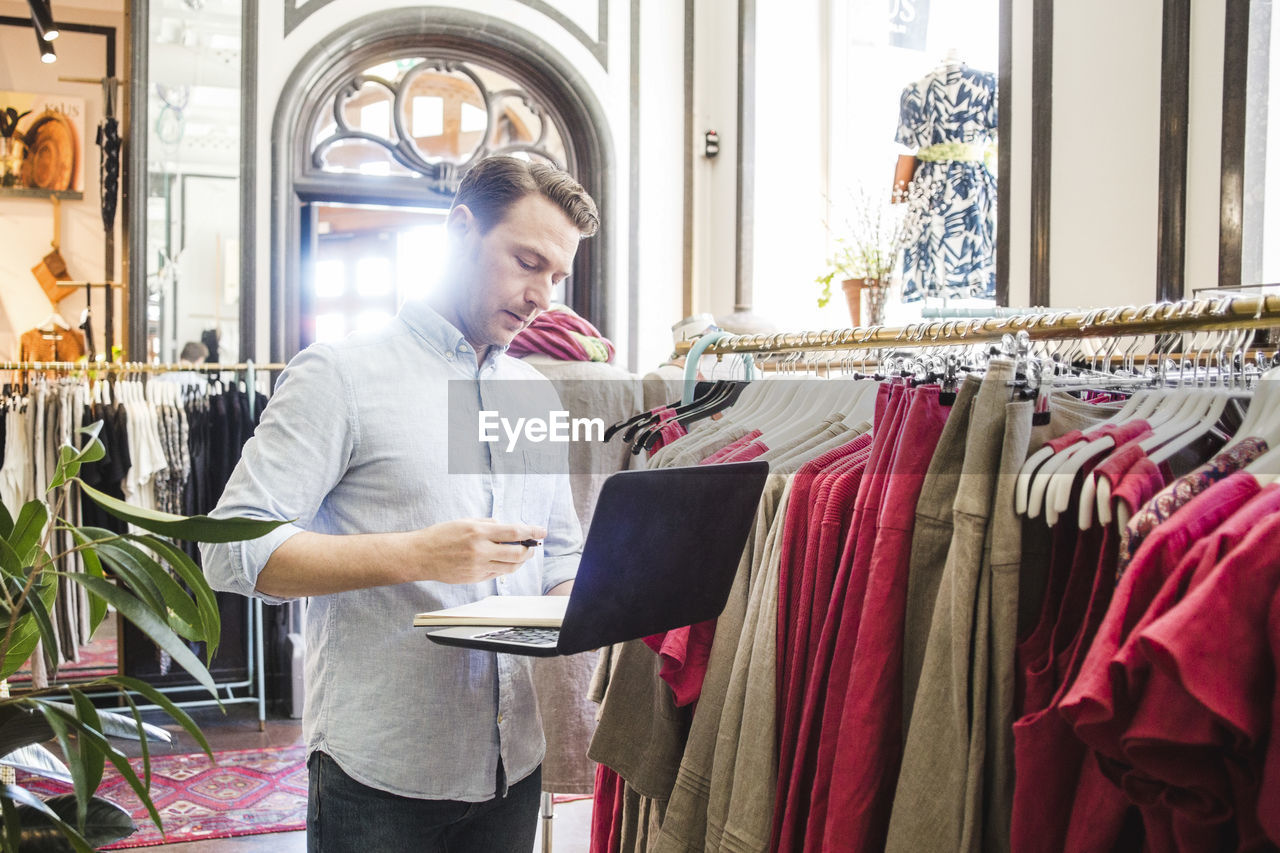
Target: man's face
[(504, 278)]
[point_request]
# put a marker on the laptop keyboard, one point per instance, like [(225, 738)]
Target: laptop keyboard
[(532, 636)]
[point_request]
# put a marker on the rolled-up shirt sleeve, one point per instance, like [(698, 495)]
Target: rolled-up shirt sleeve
[(562, 548), (297, 454)]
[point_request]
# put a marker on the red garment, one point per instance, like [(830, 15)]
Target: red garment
[(854, 801), (1099, 704), (606, 812), (685, 653), (1138, 485), (801, 708), (1065, 611), (794, 544), (730, 448), (1214, 645), (1048, 759)]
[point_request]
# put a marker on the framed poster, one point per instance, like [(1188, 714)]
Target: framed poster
[(47, 149)]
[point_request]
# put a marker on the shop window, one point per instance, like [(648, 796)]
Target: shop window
[(423, 118)]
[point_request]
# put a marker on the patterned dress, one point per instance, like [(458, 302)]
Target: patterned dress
[(950, 117)]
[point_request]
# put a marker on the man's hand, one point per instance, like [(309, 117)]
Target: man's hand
[(470, 550)]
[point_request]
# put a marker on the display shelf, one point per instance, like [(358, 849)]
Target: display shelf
[(36, 192)]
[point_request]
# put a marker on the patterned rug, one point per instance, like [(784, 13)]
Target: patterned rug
[(248, 792), (97, 659)]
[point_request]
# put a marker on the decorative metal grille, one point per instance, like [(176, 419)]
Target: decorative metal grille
[(508, 112)]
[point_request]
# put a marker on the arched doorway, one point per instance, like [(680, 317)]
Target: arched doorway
[(390, 112)]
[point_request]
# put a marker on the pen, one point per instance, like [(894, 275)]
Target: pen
[(528, 543)]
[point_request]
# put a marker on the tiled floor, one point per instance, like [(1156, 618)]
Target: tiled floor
[(238, 729)]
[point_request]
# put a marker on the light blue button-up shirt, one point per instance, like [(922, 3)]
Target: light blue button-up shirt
[(355, 440)]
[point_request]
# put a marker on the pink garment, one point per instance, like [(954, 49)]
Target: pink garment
[(562, 334), (728, 450)]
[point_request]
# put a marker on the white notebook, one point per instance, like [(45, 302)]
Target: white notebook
[(516, 611)]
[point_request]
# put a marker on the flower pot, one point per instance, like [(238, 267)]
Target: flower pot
[(875, 289)]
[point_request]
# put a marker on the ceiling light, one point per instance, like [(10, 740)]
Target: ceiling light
[(46, 49), (42, 16)]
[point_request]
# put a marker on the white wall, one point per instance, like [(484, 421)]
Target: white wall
[(660, 203), (26, 224), (278, 55), (1204, 144), (1106, 153)]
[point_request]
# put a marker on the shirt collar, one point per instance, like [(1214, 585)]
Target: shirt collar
[(439, 332)]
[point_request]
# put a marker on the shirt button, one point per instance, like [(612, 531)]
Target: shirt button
[(449, 355), (463, 348)]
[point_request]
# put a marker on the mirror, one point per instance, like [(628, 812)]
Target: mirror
[(192, 210)]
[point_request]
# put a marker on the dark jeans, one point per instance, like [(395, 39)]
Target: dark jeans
[(344, 815)]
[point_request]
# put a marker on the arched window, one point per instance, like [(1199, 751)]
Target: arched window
[(392, 111)]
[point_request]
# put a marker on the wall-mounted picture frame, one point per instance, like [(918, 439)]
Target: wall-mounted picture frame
[(45, 147)]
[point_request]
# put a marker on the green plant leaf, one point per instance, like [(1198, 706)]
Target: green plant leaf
[(12, 824), (21, 726), (31, 805), (92, 565), (93, 761), (27, 529), (142, 741), (10, 563), (36, 606), (131, 575), (158, 698), (39, 761), (197, 528), (26, 632), (114, 724), (106, 822), (58, 721), (207, 603), (172, 596), (91, 449), (150, 624), (6, 523), (21, 644), (68, 467), (87, 735)]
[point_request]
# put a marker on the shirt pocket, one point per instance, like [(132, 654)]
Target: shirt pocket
[(538, 487)]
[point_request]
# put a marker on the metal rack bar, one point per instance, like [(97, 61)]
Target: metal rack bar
[(133, 366), (1229, 312)]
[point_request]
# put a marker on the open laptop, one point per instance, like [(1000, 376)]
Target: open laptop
[(661, 553)]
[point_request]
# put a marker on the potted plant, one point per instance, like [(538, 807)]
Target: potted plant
[(154, 585), (12, 146), (866, 253)]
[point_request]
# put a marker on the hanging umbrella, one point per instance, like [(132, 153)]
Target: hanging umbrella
[(109, 189)]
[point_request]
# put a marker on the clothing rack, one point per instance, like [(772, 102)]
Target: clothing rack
[(1191, 315), (256, 676)]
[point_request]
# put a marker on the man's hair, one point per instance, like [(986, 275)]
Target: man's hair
[(494, 184), (194, 351)]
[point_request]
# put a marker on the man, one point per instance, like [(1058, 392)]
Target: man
[(412, 745)]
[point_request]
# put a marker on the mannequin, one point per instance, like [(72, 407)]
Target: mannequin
[(949, 117)]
